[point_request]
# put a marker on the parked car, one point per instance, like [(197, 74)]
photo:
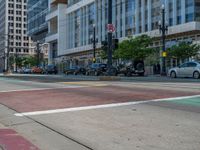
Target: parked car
[(37, 70), (20, 70), (136, 68), (97, 69), (51, 69), (75, 70), (27, 70), (188, 69)]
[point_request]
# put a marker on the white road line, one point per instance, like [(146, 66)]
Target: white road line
[(98, 106), (40, 89)]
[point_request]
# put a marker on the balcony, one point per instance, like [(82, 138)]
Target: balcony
[(53, 12), (55, 2), (52, 36)]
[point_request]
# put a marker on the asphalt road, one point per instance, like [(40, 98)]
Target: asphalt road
[(58, 113)]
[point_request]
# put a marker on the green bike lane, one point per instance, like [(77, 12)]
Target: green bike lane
[(189, 101)]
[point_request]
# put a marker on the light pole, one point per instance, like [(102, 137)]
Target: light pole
[(7, 68), (163, 29), (94, 41), (109, 37)]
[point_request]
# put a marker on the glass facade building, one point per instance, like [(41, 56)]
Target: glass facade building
[(37, 26), (130, 18)]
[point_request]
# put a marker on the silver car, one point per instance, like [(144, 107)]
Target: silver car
[(189, 69)]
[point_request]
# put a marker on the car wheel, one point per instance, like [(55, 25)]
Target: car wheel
[(96, 73), (196, 75), (141, 74), (129, 74), (173, 74)]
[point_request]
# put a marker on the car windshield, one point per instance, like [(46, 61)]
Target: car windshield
[(50, 66), (74, 67)]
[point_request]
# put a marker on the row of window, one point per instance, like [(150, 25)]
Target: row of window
[(19, 44), (18, 50), (25, 38), (18, 12), (17, 6), (11, 18), (18, 1), (18, 25), (17, 31)]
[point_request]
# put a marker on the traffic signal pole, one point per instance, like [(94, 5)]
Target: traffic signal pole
[(94, 44), (109, 37), (38, 54)]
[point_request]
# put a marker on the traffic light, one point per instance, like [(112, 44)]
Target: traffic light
[(104, 45), (115, 44)]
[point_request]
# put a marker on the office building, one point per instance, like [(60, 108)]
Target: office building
[(13, 31), (71, 24)]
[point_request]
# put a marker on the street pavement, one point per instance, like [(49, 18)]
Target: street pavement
[(59, 113)]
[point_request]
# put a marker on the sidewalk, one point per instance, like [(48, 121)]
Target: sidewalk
[(11, 140)]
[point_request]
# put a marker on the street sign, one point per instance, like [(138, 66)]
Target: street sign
[(111, 28), (164, 54)]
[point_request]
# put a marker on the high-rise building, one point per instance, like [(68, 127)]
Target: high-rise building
[(13, 30), (74, 30), (37, 25)]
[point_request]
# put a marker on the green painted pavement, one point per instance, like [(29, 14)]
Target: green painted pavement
[(189, 101)]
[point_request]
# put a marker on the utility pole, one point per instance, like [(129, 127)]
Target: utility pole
[(7, 67), (163, 30), (109, 36), (16, 57)]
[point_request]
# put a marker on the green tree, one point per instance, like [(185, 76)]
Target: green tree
[(30, 60), (135, 48), (183, 51), (19, 61)]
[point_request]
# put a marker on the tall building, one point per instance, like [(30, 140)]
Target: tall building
[(37, 25), (130, 18), (13, 30)]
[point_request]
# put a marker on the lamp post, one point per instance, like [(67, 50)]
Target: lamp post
[(163, 29), (94, 41), (7, 67), (110, 36)]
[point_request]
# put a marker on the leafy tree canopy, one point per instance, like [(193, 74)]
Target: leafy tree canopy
[(183, 50), (135, 48)]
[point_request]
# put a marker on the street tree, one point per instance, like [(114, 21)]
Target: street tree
[(30, 60), (135, 48), (183, 51)]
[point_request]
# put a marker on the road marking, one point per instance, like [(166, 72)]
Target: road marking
[(86, 83), (40, 89), (99, 106)]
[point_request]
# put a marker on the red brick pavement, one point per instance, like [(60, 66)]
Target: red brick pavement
[(10, 140), (66, 98)]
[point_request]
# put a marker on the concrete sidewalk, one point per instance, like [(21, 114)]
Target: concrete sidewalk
[(11, 140)]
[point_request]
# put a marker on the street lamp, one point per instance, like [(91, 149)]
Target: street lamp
[(94, 41), (163, 29)]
